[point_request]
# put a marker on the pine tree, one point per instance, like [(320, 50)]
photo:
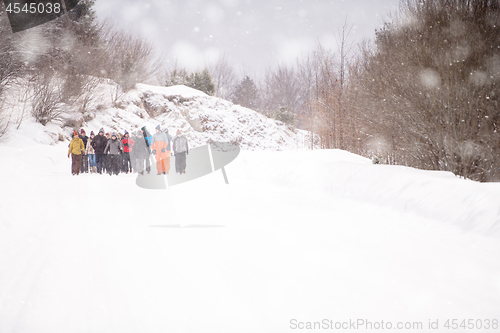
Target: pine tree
[(285, 115), (177, 77), (246, 93), (203, 82), (199, 80)]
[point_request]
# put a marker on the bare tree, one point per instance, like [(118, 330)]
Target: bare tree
[(281, 89), (130, 60), (345, 48), (430, 89), (319, 73), (224, 77)]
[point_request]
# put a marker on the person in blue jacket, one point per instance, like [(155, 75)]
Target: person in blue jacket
[(147, 138)]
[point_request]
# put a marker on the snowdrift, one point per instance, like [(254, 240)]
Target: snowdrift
[(437, 195)]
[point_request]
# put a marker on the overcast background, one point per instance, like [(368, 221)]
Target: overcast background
[(252, 34)]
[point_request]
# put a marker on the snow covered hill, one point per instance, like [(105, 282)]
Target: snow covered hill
[(205, 118), (200, 117)]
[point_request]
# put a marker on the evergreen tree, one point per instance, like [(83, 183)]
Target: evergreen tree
[(203, 82), (246, 93), (285, 115), (177, 77), (199, 80)]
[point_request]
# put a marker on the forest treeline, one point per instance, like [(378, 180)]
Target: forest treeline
[(424, 93)]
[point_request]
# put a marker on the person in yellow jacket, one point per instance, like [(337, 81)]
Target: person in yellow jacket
[(76, 148)]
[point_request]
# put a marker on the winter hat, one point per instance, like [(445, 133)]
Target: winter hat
[(125, 132), (158, 128), (75, 133), (113, 134), (92, 133), (165, 130), (143, 128), (107, 133), (101, 130), (82, 131), (178, 131)]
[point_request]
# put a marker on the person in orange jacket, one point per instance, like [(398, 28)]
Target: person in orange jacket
[(159, 145), (76, 149)]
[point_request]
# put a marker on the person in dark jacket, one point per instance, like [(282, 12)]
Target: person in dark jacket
[(85, 159), (99, 144), (181, 149), (113, 150), (106, 164), (140, 153), (147, 138), (127, 144)]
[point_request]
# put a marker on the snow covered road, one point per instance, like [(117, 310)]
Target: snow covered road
[(279, 245)]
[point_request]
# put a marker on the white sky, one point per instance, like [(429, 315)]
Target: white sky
[(253, 34)]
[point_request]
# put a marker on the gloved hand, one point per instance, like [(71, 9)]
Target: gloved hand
[(163, 150), (68, 155), (154, 152)]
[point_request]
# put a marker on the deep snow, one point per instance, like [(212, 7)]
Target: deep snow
[(304, 235)]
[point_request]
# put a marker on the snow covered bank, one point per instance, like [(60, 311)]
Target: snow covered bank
[(436, 195)]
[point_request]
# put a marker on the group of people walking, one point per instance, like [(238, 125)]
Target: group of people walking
[(127, 153)]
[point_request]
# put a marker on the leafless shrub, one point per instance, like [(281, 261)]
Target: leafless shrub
[(46, 98), (5, 120), (10, 69)]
